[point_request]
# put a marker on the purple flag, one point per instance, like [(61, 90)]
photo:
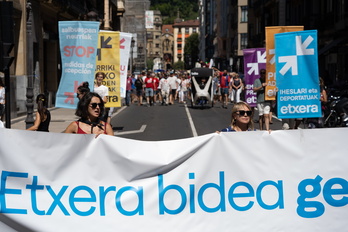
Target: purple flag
[(254, 60)]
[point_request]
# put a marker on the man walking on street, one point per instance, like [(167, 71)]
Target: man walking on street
[(263, 106)]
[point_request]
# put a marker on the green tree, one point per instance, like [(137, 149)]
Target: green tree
[(169, 8), (191, 50), (180, 65)]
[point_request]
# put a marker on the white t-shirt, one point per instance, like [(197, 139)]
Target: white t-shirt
[(173, 82), (164, 84), (102, 90)]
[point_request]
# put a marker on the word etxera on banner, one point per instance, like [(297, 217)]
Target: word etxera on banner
[(191, 200)]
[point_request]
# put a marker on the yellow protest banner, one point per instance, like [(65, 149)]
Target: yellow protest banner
[(108, 61), (270, 93)]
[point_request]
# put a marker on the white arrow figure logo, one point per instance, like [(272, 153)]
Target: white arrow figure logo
[(254, 68), (272, 52), (261, 57), (291, 62), (301, 50)]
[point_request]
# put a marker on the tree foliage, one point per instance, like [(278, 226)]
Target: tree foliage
[(169, 9), (180, 65), (191, 50)]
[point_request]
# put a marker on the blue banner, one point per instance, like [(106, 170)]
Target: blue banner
[(78, 47), (297, 74)]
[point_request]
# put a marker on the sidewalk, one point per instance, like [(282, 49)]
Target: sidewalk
[(60, 119)]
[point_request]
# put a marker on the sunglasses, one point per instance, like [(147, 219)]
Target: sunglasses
[(94, 105), (263, 72), (243, 112)]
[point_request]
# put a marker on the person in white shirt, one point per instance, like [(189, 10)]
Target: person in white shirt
[(173, 84), (165, 89), (103, 92)]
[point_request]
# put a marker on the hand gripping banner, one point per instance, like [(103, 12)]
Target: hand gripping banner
[(270, 93), (254, 61), (78, 47), (297, 75)]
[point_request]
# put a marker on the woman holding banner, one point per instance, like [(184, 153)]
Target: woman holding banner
[(90, 110), (241, 118)]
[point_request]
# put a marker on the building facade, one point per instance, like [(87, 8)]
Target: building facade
[(37, 63), (167, 46), (154, 42), (133, 22), (182, 30), (329, 18)]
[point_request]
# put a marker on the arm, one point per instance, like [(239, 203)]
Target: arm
[(72, 128), (105, 99), (36, 123), (323, 96), (240, 84), (256, 89), (109, 130)]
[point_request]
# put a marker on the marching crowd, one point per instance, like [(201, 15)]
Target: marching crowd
[(164, 88)]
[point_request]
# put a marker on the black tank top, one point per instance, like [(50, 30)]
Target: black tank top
[(45, 124)]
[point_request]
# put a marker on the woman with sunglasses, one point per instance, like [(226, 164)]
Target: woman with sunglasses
[(90, 110), (241, 118)]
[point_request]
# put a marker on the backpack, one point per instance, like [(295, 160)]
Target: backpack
[(138, 84)]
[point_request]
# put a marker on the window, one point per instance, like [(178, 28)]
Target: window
[(194, 30), (244, 14), (187, 30), (157, 45), (243, 40)]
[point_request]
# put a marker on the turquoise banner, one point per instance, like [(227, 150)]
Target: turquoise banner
[(297, 75), (78, 48)]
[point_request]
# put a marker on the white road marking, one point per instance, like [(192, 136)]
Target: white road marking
[(193, 129), (141, 130)]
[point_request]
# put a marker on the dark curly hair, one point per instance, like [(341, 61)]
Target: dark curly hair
[(41, 101), (82, 106), (84, 88)]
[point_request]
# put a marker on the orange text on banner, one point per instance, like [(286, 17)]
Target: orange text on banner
[(108, 61), (270, 93)]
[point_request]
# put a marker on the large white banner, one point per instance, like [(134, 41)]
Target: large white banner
[(246, 181)]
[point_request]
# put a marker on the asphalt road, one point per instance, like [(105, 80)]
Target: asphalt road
[(178, 121)]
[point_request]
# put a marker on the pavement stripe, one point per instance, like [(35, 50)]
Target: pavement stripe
[(193, 128), (141, 130)]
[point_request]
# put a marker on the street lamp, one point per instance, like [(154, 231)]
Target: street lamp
[(131, 60), (30, 68)]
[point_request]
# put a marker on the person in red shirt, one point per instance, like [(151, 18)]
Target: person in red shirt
[(224, 87), (149, 88), (128, 89), (156, 93)]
